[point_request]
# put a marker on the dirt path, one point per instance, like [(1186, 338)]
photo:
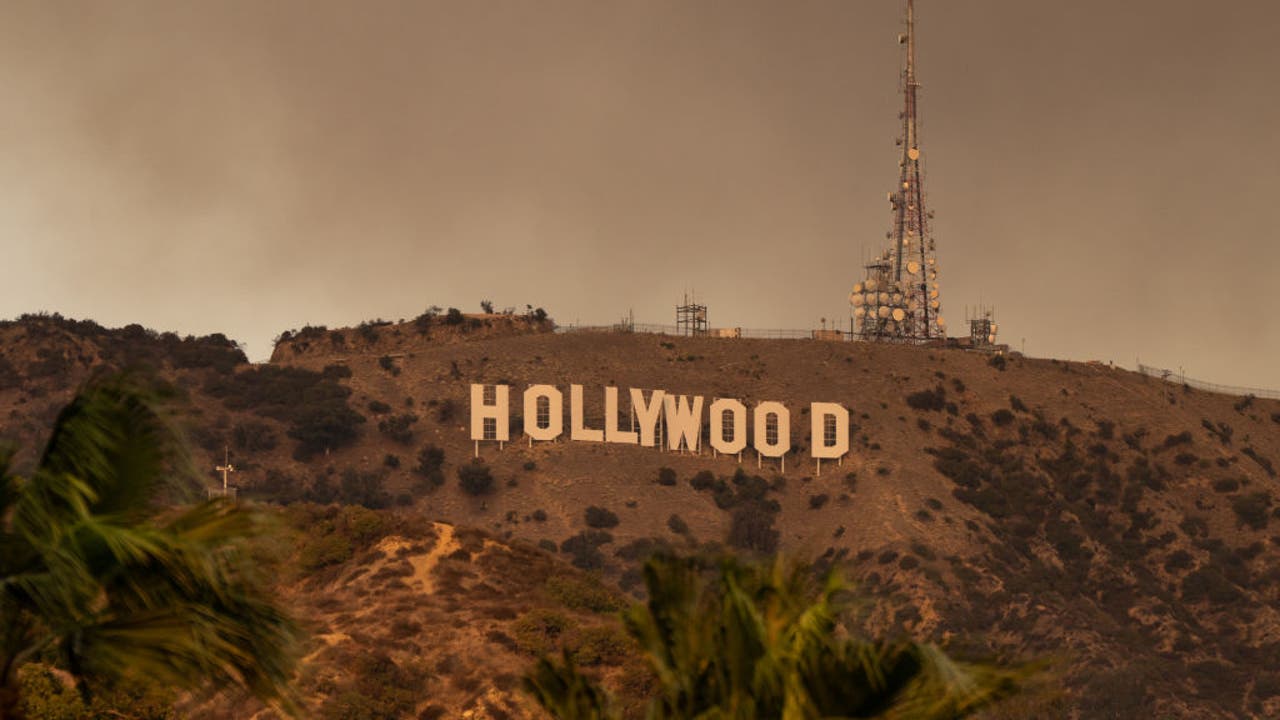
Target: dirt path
[(424, 564)]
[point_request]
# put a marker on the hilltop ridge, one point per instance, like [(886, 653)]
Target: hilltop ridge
[(1025, 506)]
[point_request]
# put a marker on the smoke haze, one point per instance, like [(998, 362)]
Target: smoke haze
[(1102, 173)]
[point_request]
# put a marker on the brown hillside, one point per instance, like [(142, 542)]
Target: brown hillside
[(1126, 525)]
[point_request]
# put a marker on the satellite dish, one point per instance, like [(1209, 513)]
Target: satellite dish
[(856, 299), (871, 284), (913, 304), (913, 267), (932, 262), (942, 322), (890, 327), (935, 304), (857, 287), (897, 298), (914, 153), (859, 312), (882, 312), (991, 339), (898, 314), (933, 293), (994, 328), (884, 298)]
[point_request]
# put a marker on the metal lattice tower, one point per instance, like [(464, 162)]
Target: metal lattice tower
[(898, 298)]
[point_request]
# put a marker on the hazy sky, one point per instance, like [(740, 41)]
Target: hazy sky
[(1105, 173)]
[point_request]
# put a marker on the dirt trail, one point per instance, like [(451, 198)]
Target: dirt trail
[(424, 564)]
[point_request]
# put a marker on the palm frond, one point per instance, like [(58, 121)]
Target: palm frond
[(96, 566), (566, 693)]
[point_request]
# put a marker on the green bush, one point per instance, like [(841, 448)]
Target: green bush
[(314, 405), (378, 688), (363, 488), (1226, 485), (398, 428), (666, 476), (934, 400), (704, 480), (253, 436), (1001, 417), (599, 645), (475, 479), (603, 518), (1253, 509), (326, 550), (1264, 463), (583, 593), (538, 632), (677, 525), (1208, 584), (423, 322), (584, 548), (751, 528)]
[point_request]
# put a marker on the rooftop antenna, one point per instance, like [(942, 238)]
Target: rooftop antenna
[(899, 297)]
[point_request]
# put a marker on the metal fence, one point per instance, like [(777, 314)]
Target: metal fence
[(1181, 379), (763, 334)]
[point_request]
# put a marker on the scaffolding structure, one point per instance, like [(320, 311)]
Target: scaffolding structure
[(691, 318), (898, 298), (982, 327)]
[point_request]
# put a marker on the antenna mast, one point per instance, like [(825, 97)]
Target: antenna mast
[(899, 299)]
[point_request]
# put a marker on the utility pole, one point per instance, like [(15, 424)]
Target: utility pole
[(225, 468)]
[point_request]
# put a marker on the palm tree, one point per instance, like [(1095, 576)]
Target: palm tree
[(104, 576), (727, 639)]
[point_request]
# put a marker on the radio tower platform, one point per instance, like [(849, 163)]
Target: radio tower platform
[(898, 298)]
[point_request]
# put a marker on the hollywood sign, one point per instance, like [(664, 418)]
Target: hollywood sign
[(661, 419)]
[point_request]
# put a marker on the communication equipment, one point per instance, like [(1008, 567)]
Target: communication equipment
[(899, 291)]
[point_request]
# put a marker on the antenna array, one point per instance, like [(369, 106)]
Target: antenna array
[(899, 298)]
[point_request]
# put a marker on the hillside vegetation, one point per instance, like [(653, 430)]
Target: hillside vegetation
[(1126, 527)]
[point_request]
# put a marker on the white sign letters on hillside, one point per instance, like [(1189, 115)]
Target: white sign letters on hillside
[(675, 422)]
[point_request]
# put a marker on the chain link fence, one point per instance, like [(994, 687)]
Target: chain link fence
[(762, 334), (1181, 379)]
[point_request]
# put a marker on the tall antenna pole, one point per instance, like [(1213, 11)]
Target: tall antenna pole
[(907, 272)]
